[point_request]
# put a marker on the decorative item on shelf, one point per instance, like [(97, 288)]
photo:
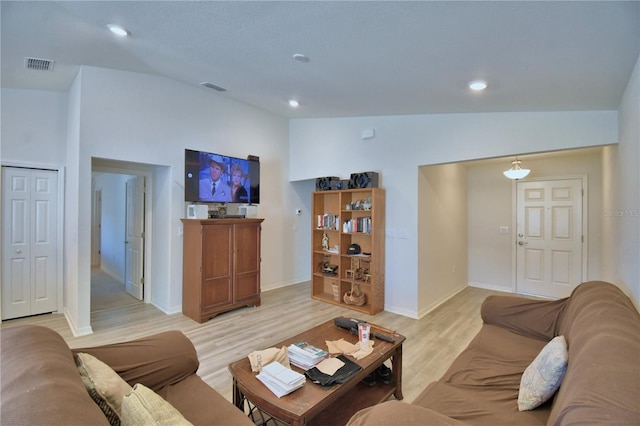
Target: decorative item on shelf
[(355, 296), (325, 242), (366, 205), (336, 291), (363, 180), (365, 265), (325, 183), (329, 269), (354, 249)]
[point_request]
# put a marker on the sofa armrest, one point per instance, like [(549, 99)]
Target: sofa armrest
[(400, 413), (156, 361), (528, 317)]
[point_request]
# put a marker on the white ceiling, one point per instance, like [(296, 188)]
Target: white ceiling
[(366, 57)]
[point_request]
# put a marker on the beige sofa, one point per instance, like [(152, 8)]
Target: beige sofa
[(41, 385), (601, 384)]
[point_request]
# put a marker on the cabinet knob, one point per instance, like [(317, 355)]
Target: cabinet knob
[(18, 251)]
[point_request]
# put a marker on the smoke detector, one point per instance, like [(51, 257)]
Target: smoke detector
[(38, 64)]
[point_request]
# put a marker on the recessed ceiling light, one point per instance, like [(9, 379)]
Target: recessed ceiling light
[(118, 30), (293, 103), (301, 58), (477, 85)]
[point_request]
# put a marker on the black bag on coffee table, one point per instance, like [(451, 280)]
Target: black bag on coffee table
[(343, 374)]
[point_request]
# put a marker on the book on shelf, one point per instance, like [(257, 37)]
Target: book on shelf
[(280, 380), (305, 356)]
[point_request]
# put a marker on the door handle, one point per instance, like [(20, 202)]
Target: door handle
[(522, 243), (18, 251)]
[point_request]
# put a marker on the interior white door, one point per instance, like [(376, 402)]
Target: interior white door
[(134, 244), (96, 230), (549, 237), (29, 242)]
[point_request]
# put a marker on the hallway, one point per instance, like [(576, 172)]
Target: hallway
[(107, 292)]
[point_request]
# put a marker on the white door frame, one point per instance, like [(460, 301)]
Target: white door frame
[(60, 231), (514, 221), (136, 169)]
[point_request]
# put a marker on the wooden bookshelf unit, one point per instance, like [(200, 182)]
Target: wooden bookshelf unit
[(342, 218)]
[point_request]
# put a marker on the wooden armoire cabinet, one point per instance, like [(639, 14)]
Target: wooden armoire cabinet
[(220, 266)]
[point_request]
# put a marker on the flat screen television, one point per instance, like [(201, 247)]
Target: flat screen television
[(215, 178)]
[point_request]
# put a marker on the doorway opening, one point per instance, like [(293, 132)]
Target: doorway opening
[(119, 234)]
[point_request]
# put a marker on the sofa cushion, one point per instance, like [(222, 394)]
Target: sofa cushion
[(142, 406), (543, 376), (481, 386), (103, 384), (202, 405), (400, 413), (36, 361)]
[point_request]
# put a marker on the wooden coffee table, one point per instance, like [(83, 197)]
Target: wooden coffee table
[(312, 404)]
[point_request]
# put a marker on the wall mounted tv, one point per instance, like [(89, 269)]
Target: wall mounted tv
[(215, 178)]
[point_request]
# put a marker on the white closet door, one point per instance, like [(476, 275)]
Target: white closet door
[(29, 242)]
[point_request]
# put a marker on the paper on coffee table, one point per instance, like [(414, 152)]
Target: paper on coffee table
[(329, 366)]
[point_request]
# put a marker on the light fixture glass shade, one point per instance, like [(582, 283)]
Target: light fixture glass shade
[(118, 30), (516, 172)]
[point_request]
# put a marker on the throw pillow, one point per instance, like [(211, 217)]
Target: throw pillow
[(104, 385), (142, 406), (543, 376)]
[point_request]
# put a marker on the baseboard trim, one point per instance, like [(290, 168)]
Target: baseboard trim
[(77, 332), (491, 287), (437, 303)]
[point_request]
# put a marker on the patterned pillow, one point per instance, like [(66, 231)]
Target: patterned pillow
[(142, 406), (104, 385), (543, 376)]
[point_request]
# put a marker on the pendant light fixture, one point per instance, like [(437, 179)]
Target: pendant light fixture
[(516, 172)]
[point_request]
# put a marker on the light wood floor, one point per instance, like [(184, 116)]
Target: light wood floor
[(108, 292), (432, 342)]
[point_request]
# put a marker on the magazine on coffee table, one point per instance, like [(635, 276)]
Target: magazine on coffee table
[(280, 380)]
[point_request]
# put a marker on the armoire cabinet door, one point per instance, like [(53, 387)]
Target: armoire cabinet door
[(217, 267), (247, 261)]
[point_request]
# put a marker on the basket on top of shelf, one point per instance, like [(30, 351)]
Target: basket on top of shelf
[(355, 296)]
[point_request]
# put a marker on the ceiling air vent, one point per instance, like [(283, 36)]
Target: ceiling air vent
[(213, 86), (38, 64)]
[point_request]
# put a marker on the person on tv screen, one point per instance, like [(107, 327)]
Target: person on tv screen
[(213, 188), (238, 192)]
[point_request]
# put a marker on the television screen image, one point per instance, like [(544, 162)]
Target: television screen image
[(215, 178)]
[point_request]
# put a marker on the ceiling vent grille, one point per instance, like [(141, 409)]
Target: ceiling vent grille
[(213, 86), (38, 64)]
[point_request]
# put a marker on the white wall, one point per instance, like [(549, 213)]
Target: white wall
[(332, 147), (442, 218), (34, 127), (150, 120), (621, 215)]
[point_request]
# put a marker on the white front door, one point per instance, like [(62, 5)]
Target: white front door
[(549, 237), (134, 244), (29, 242)]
